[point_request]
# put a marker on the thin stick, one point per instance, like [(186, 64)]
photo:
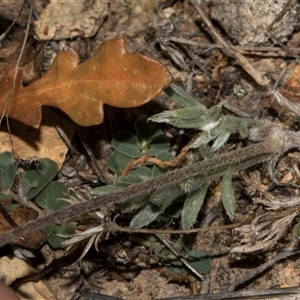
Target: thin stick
[(251, 274), (113, 227), (90, 153), (184, 261), (243, 61), (242, 49), (5, 111), (277, 141), (4, 35)]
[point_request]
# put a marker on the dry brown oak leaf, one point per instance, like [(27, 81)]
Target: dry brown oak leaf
[(111, 76), (291, 88)]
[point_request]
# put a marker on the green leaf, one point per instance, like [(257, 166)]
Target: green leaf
[(158, 146), (42, 176), (175, 208), (125, 142), (159, 201), (243, 129), (205, 151), (11, 206), (193, 184), (27, 186), (149, 214), (103, 190), (118, 161), (182, 118), (130, 179), (204, 139), (143, 133), (191, 117), (163, 221), (227, 195), (220, 140), (156, 170), (146, 215), (167, 256), (164, 194), (141, 171), (131, 203), (51, 197), (192, 206), (134, 203), (165, 156), (296, 230), (185, 242), (6, 196), (156, 135), (200, 261), (7, 171), (197, 258), (181, 97), (177, 270), (52, 230)]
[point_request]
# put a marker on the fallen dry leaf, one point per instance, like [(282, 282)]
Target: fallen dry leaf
[(291, 88), (111, 76)]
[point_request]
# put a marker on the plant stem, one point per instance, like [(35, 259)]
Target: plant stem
[(275, 142)]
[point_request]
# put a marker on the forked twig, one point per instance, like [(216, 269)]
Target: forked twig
[(245, 63)]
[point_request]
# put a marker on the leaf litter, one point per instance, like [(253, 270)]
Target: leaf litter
[(207, 241)]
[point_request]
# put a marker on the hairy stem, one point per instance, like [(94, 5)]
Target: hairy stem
[(276, 141)]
